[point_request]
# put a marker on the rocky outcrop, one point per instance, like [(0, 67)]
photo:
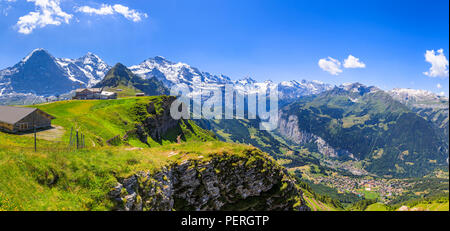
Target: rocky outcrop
[(289, 128), (224, 182), (160, 122), (153, 120), (138, 132)]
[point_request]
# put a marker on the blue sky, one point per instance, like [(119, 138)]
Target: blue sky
[(264, 39)]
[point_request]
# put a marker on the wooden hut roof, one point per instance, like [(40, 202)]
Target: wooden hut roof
[(12, 115)]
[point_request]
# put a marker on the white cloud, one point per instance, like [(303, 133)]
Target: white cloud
[(439, 86), (353, 62), (129, 13), (330, 65), (48, 12), (439, 63), (442, 94), (104, 10), (125, 11)]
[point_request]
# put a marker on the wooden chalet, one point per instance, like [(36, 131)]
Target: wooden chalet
[(22, 119)]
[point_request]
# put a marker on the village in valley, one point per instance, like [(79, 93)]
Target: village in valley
[(367, 187)]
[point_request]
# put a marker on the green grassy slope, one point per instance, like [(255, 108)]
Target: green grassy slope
[(81, 180), (377, 207), (57, 179), (101, 120)]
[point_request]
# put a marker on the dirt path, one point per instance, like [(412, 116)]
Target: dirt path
[(53, 134)]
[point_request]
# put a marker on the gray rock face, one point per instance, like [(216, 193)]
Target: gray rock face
[(289, 129), (227, 183), (156, 126)]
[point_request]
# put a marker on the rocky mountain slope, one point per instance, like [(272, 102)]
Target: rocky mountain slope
[(229, 182), (430, 106), (121, 77)]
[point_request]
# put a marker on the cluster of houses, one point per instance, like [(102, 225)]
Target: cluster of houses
[(93, 93), (385, 188), (23, 119)]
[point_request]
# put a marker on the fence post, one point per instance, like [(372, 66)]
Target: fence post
[(81, 143), (34, 127), (71, 141), (78, 144)]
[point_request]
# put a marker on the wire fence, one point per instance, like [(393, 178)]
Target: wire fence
[(77, 141)]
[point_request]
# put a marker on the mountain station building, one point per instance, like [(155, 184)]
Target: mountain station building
[(93, 93)]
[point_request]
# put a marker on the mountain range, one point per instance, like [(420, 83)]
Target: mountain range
[(40, 74)]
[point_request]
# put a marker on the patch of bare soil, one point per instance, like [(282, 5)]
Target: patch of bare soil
[(53, 134)]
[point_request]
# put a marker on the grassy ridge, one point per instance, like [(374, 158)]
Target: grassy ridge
[(56, 178), (81, 180), (101, 120)]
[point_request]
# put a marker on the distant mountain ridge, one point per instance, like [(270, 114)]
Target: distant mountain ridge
[(120, 76), (171, 73), (41, 74), (428, 105)]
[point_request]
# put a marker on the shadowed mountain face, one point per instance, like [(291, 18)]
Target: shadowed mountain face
[(430, 106), (365, 123), (121, 76), (40, 74)]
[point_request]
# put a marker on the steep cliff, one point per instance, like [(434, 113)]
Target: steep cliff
[(251, 181), (288, 128)]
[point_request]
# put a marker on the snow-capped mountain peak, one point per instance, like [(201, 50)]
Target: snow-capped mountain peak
[(246, 81), (38, 51), (90, 58), (422, 98), (171, 73), (294, 89), (359, 88), (42, 74)]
